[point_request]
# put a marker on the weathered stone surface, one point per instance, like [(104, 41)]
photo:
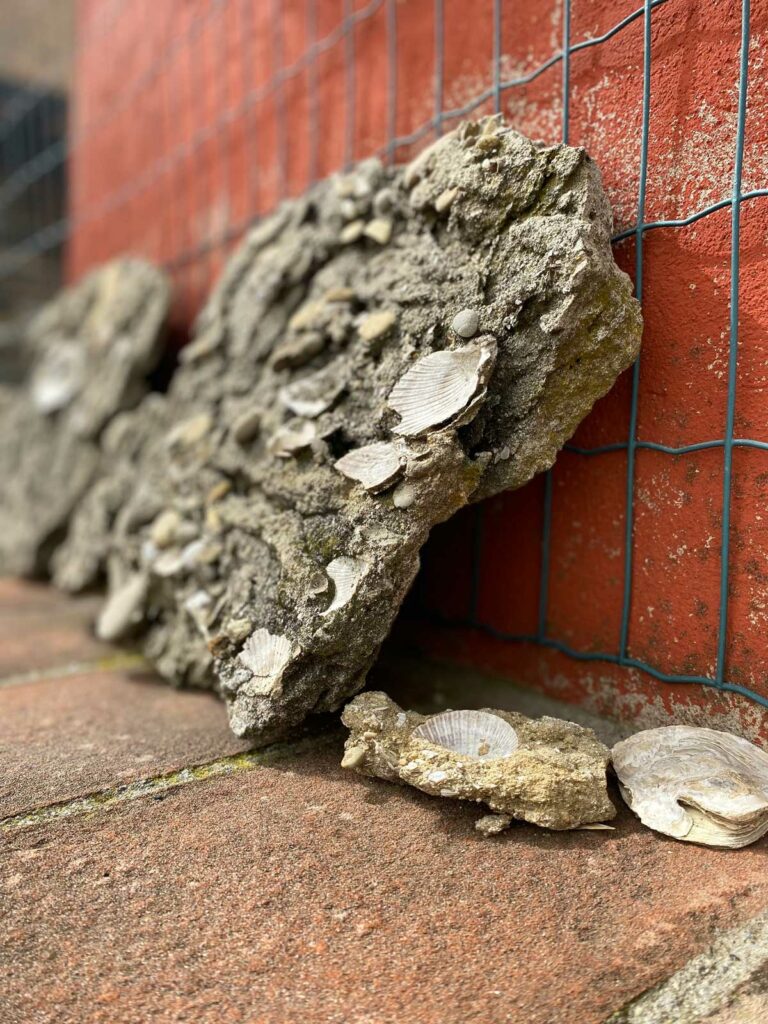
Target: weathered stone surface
[(82, 558), (90, 349), (470, 337), (553, 774)]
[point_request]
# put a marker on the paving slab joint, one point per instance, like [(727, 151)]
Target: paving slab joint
[(121, 661), (155, 786), (706, 984)]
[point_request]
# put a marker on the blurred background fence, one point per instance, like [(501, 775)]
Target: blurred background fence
[(634, 576)]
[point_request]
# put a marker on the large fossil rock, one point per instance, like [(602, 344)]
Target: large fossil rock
[(545, 771), (394, 345), (700, 785), (91, 349)]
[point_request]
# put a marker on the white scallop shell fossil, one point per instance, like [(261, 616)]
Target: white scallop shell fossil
[(266, 655), (346, 574), (475, 734), (376, 466), (440, 386), (699, 785)]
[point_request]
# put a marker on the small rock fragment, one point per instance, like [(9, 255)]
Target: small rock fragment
[(549, 772), (466, 323), (376, 325), (404, 496), (352, 232), (246, 426), (489, 824), (445, 200), (379, 229)]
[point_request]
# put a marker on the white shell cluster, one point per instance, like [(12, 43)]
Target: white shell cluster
[(440, 386), (699, 785), (475, 734)]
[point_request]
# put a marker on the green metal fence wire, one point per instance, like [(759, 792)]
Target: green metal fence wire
[(22, 167), (622, 657)]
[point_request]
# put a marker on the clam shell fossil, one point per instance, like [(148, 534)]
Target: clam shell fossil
[(292, 438), (376, 466), (475, 734), (439, 386), (312, 395), (266, 655), (699, 785), (346, 574)]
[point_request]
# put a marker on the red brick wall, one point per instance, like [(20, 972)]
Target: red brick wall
[(194, 116)]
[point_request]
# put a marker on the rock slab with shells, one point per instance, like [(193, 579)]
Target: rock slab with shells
[(90, 349), (699, 785), (377, 354), (545, 771)]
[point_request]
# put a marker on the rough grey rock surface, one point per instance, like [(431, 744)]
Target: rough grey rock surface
[(377, 354), (90, 349), (554, 777)]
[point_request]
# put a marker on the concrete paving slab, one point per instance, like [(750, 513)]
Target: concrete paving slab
[(66, 737), (295, 892)]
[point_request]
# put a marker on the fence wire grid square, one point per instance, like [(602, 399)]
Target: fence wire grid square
[(33, 168)]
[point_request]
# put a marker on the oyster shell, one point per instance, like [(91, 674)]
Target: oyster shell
[(475, 734), (376, 466), (439, 386), (699, 785)]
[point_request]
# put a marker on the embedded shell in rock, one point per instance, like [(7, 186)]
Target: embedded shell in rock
[(377, 354), (475, 734), (545, 771), (90, 351), (699, 785)]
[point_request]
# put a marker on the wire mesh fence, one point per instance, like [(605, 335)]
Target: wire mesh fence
[(194, 119)]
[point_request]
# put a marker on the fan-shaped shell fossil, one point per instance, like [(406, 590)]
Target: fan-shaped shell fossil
[(439, 386), (475, 734), (699, 785), (376, 466), (346, 574), (309, 396), (266, 655)]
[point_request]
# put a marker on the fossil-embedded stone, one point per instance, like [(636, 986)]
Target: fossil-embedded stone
[(376, 420), (546, 771), (91, 349), (699, 785)]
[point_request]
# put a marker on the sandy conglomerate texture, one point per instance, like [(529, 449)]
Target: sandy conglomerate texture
[(377, 354), (90, 351)]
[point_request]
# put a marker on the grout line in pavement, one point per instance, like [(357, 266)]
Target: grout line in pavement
[(113, 662), (157, 785)]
